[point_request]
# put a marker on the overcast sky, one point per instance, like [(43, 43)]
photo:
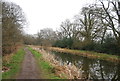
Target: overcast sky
[(49, 13)]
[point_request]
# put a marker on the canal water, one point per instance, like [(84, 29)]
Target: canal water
[(91, 68)]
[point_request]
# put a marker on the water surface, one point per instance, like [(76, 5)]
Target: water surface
[(91, 68)]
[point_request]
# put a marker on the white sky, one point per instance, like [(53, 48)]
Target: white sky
[(49, 13)]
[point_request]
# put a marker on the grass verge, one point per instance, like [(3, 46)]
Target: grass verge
[(45, 67), (89, 54), (101, 56), (13, 63)]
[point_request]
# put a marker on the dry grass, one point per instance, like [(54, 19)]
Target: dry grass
[(6, 60), (63, 71)]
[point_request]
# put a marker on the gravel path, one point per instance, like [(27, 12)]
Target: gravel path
[(29, 68)]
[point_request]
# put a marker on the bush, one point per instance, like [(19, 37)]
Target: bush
[(89, 47), (110, 46), (64, 43)]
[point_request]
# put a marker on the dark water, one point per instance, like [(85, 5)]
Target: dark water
[(92, 68)]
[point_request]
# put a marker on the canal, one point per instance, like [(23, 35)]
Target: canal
[(90, 68)]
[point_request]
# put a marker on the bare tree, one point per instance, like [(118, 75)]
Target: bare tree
[(13, 20), (90, 25), (66, 28), (46, 37), (69, 29), (112, 11)]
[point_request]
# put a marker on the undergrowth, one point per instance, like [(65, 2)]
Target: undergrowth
[(13, 63)]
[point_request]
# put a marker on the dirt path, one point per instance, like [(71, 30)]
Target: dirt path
[(29, 68)]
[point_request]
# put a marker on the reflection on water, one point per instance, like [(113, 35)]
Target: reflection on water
[(91, 68)]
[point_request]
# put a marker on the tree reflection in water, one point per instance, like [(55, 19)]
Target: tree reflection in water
[(91, 68)]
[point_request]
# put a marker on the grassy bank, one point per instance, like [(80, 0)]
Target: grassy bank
[(89, 54), (13, 63), (45, 67)]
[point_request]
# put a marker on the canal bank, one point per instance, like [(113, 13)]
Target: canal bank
[(89, 54), (88, 68), (51, 66), (44, 66)]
